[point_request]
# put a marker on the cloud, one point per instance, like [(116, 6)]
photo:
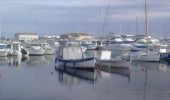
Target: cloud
[(61, 16)]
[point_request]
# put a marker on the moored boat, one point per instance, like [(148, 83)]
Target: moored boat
[(145, 56), (35, 49), (48, 50), (4, 50), (16, 49), (73, 56)]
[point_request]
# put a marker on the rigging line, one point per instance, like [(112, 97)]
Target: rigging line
[(105, 20)]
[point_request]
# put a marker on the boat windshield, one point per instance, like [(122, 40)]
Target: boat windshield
[(46, 45), (3, 46), (35, 45), (115, 42), (72, 43)]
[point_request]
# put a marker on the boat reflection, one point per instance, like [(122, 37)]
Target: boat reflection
[(122, 71), (14, 61), (32, 60), (35, 60), (74, 76), (152, 66), (143, 75), (3, 61), (49, 58)]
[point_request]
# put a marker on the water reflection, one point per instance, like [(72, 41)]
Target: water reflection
[(14, 61), (148, 81), (147, 73), (3, 61), (153, 66), (72, 76), (105, 70), (35, 60), (40, 60), (49, 58)]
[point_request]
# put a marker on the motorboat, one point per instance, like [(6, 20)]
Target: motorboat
[(15, 49), (35, 49), (148, 56), (90, 45), (4, 50), (139, 45), (117, 46), (48, 50)]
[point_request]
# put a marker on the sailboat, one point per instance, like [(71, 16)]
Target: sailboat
[(145, 55), (109, 56)]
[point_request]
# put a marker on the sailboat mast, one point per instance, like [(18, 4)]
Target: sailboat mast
[(101, 12), (136, 25), (146, 24), (1, 27)]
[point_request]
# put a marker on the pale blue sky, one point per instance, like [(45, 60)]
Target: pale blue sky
[(61, 16)]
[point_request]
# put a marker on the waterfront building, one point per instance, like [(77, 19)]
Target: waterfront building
[(77, 36), (26, 36)]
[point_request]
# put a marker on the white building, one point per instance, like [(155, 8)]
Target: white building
[(26, 36)]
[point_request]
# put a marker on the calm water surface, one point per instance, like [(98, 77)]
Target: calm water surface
[(36, 78)]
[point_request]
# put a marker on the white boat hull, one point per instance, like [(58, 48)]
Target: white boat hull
[(15, 53), (4, 52), (145, 56), (36, 51)]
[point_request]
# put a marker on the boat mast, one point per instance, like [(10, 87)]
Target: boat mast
[(1, 28), (120, 29), (136, 25), (101, 8), (146, 25)]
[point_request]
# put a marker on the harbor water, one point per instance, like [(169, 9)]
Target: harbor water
[(37, 78)]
